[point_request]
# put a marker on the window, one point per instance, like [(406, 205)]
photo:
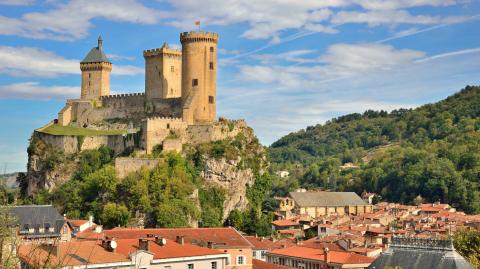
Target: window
[(214, 265), (89, 75), (194, 82), (211, 65), (167, 267), (240, 260), (190, 266), (211, 99), (168, 125), (263, 254), (212, 49), (254, 254), (172, 68)]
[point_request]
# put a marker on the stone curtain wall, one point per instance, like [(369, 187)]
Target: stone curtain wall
[(125, 166)]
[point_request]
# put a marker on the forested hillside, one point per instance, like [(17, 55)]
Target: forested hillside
[(431, 153)]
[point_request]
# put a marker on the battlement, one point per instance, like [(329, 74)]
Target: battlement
[(195, 36), (158, 118), (95, 66), (123, 95), (162, 51)]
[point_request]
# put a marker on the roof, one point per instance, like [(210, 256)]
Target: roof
[(226, 237), (170, 250), (71, 253), (324, 198), (285, 222), (96, 54), (259, 264), (416, 253), (77, 222), (337, 257), (36, 217)]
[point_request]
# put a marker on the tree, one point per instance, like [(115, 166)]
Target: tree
[(114, 215), (8, 239), (467, 243)]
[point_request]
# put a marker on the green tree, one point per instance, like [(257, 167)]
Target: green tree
[(114, 215)]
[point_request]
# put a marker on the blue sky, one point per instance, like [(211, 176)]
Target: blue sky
[(283, 65)]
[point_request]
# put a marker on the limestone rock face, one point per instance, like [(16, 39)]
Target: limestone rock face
[(225, 174), (41, 178)]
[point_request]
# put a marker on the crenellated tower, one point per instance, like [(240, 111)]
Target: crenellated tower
[(163, 72), (199, 62), (96, 70)]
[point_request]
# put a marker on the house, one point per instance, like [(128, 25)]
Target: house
[(323, 203), (147, 253), (286, 224), (40, 223), (80, 226), (226, 240), (417, 253), (299, 257)]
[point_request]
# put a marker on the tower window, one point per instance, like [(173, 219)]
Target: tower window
[(211, 99), (168, 125), (211, 49), (194, 82), (172, 68), (211, 65), (89, 75)]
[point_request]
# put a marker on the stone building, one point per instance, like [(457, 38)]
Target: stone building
[(321, 203), (177, 107)]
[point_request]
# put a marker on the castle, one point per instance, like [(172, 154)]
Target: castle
[(177, 107)]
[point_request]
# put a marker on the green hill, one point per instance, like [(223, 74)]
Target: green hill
[(430, 153)]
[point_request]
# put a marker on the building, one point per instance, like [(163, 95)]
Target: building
[(322, 203), (40, 223), (153, 252), (416, 253), (299, 257), (226, 240)]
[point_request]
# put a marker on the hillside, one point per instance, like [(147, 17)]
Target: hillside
[(430, 153)]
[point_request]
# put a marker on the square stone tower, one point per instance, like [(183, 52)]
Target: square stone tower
[(96, 70), (199, 66), (163, 72)]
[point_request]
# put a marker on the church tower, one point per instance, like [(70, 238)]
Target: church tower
[(199, 62), (96, 70)]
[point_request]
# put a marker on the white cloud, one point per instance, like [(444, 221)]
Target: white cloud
[(399, 4), (71, 21), (120, 57), (31, 61), (16, 2), (449, 54), (391, 17), (35, 91)]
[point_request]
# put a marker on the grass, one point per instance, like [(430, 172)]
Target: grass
[(56, 129)]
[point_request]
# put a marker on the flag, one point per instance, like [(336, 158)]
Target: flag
[(197, 23)]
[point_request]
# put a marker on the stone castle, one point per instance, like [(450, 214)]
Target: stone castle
[(177, 107)]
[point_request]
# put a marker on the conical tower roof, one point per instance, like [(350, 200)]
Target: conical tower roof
[(96, 54)]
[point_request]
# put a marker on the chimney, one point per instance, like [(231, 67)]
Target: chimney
[(90, 221), (160, 241), (143, 244), (109, 244), (180, 239), (210, 244), (326, 257)]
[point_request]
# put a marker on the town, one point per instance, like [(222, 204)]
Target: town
[(239, 134)]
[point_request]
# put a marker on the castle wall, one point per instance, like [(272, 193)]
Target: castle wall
[(65, 115), (157, 129), (70, 144), (125, 166)]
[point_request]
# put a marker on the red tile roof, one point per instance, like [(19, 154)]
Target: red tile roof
[(171, 249), (77, 222), (285, 222), (222, 237), (337, 257), (258, 264), (70, 254)]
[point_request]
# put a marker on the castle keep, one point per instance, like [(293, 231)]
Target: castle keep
[(177, 107)]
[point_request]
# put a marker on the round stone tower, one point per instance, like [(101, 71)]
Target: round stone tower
[(199, 64), (96, 70)]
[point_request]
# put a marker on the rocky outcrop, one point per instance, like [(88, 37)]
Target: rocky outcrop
[(225, 174)]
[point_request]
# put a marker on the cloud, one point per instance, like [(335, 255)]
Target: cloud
[(400, 4), (71, 21), (32, 61), (449, 54), (391, 17), (35, 91), (16, 2), (120, 57), (339, 61)]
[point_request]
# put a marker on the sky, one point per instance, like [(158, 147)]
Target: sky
[(283, 65)]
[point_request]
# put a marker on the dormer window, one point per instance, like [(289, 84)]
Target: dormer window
[(26, 227)]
